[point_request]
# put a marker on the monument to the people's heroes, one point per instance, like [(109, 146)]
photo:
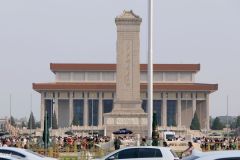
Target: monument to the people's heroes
[(127, 111)]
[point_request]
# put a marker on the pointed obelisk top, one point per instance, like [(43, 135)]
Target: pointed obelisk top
[(128, 17)]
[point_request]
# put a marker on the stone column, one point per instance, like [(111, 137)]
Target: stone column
[(70, 108), (100, 110), (42, 110), (85, 110), (194, 103), (207, 112), (164, 110), (179, 109)]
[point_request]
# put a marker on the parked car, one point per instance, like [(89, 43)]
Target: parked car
[(7, 157), (123, 131), (142, 152), (69, 133), (4, 134), (215, 135), (168, 136), (214, 155), (23, 154)]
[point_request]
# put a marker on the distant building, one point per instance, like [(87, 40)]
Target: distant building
[(3, 122), (227, 119), (87, 92)]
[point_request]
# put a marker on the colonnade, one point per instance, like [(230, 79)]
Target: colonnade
[(186, 105)]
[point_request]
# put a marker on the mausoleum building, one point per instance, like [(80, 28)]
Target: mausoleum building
[(111, 96)]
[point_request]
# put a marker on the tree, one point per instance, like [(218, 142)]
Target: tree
[(54, 121), (195, 125), (12, 121), (38, 124), (23, 124), (210, 120), (233, 125), (155, 135), (45, 136), (238, 122), (31, 122), (217, 125), (237, 126)]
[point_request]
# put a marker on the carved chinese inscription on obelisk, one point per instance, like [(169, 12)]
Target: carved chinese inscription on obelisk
[(127, 63)]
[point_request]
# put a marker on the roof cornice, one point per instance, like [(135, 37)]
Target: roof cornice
[(112, 86), (64, 67)]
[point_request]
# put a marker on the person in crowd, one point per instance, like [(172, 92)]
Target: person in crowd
[(189, 150), (117, 143), (5, 143), (165, 144), (143, 143)]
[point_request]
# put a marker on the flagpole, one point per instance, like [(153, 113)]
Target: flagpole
[(150, 68), (45, 132)]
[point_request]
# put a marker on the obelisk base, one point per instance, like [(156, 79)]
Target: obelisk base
[(127, 115)]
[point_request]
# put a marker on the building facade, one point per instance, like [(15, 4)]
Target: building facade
[(3, 123), (85, 93)]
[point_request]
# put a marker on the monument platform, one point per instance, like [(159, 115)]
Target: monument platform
[(127, 114)]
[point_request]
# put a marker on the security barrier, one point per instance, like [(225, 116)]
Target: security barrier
[(70, 152), (212, 146)]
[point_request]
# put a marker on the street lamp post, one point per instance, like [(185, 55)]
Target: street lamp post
[(51, 122), (51, 113), (45, 127), (30, 115), (45, 133), (10, 99), (185, 114), (92, 118), (227, 121)]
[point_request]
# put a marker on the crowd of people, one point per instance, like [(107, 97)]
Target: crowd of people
[(60, 142), (207, 143), (12, 141), (87, 142)]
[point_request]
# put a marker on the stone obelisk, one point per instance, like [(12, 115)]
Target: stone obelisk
[(127, 111)]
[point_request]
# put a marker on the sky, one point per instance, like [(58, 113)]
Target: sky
[(34, 34)]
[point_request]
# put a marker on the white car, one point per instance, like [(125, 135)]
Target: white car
[(7, 157), (214, 155), (142, 152), (23, 154), (168, 136)]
